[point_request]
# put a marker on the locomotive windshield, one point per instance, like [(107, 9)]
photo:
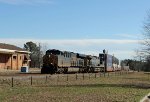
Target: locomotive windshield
[(80, 56), (55, 52)]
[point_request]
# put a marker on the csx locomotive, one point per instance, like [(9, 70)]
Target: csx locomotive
[(56, 61)]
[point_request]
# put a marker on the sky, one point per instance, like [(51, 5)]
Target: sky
[(84, 26)]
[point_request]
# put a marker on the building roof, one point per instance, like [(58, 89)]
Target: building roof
[(11, 48)]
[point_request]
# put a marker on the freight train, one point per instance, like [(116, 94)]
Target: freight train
[(56, 61)]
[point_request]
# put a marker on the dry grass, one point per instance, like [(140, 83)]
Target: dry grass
[(58, 88)]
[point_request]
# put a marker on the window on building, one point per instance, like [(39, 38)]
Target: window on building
[(14, 57)]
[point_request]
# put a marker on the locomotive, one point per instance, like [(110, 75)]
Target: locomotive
[(56, 61)]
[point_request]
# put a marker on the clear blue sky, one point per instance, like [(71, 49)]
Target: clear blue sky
[(73, 19)]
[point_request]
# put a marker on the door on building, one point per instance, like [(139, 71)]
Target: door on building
[(14, 62)]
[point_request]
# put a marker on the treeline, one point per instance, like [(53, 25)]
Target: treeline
[(136, 65)]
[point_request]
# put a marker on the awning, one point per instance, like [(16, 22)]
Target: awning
[(6, 51), (25, 52)]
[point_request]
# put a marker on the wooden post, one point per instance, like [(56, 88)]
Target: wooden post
[(83, 76), (57, 79), (46, 79), (12, 82), (108, 74), (76, 76), (31, 80), (67, 77), (148, 76)]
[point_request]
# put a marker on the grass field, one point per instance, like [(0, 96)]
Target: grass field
[(113, 88)]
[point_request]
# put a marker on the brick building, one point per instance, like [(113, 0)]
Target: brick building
[(13, 57)]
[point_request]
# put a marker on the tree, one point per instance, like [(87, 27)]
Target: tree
[(42, 48), (35, 54), (146, 34), (133, 64), (146, 43), (30, 46), (129, 62)]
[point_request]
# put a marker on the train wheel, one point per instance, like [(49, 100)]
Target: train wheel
[(86, 69), (65, 70), (80, 69), (60, 70), (92, 69), (55, 69), (42, 71)]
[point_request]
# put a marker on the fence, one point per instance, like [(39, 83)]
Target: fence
[(56, 79)]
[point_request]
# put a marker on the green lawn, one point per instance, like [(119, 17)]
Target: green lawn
[(124, 88)]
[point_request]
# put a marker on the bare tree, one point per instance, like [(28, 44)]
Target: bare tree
[(44, 48), (146, 34), (146, 42), (41, 52)]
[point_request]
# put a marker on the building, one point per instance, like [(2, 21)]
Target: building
[(13, 57)]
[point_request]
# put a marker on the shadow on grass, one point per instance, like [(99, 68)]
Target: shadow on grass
[(137, 86)]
